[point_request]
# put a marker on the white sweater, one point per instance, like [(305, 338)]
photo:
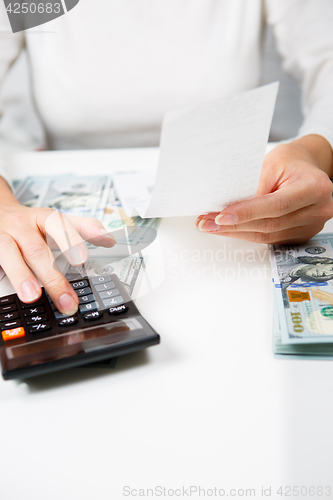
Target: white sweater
[(104, 74)]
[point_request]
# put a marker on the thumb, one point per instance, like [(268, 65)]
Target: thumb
[(269, 179)]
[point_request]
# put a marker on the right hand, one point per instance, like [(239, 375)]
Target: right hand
[(25, 254)]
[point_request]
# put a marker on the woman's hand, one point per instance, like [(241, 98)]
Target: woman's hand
[(294, 198), (25, 254)]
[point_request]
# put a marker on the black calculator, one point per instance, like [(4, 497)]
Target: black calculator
[(37, 338)]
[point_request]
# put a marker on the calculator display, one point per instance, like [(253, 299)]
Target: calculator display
[(73, 343)]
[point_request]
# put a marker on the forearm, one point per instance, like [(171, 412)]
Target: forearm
[(320, 149)]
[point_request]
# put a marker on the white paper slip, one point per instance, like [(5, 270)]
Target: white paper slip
[(211, 154), (134, 190)]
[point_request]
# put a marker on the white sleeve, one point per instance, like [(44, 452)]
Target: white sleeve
[(10, 47), (303, 30)]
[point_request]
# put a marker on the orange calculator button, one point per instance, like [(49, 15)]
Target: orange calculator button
[(15, 333)]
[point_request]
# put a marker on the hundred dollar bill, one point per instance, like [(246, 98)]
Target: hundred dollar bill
[(31, 191), (303, 283), (74, 195), (296, 351)]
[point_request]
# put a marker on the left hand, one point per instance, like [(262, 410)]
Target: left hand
[(294, 197)]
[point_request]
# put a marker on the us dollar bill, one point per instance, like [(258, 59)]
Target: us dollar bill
[(31, 191), (296, 351), (303, 288), (79, 196)]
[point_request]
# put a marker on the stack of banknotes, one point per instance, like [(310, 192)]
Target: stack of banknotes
[(94, 196), (303, 298)]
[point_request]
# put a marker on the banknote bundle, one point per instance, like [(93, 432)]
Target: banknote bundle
[(94, 196), (303, 298)]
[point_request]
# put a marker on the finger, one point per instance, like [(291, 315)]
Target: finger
[(93, 230), (19, 274), (290, 198), (64, 234), (203, 217), (211, 215), (310, 215), (39, 258), (296, 235)]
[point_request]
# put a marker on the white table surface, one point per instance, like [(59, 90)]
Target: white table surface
[(208, 407)]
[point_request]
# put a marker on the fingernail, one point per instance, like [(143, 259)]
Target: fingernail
[(224, 219), (208, 225), (78, 255), (29, 291), (67, 304), (105, 232)]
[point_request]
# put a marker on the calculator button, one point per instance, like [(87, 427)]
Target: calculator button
[(71, 320), (8, 308), (113, 301), (6, 300), (92, 315), (39, 327), (8, 316), (100, 279), (79, 284), (83, 291), (118, 309), (36, 319), (39, 302), (59, 315), (15, 333), (33, 310), (105, 286), (10, 324), (88, 307), (109, 293), (86, 298)]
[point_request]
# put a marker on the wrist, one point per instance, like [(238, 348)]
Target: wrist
[(319, 149)]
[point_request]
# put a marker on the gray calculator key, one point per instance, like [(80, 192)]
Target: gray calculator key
[(86, 298), (105, 286), (83, 291), (79, 284), (109, 293), (92, 306), (100, 279), (59, 315), (113, 301)]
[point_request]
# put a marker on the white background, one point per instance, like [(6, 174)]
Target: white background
[(208, 407)]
